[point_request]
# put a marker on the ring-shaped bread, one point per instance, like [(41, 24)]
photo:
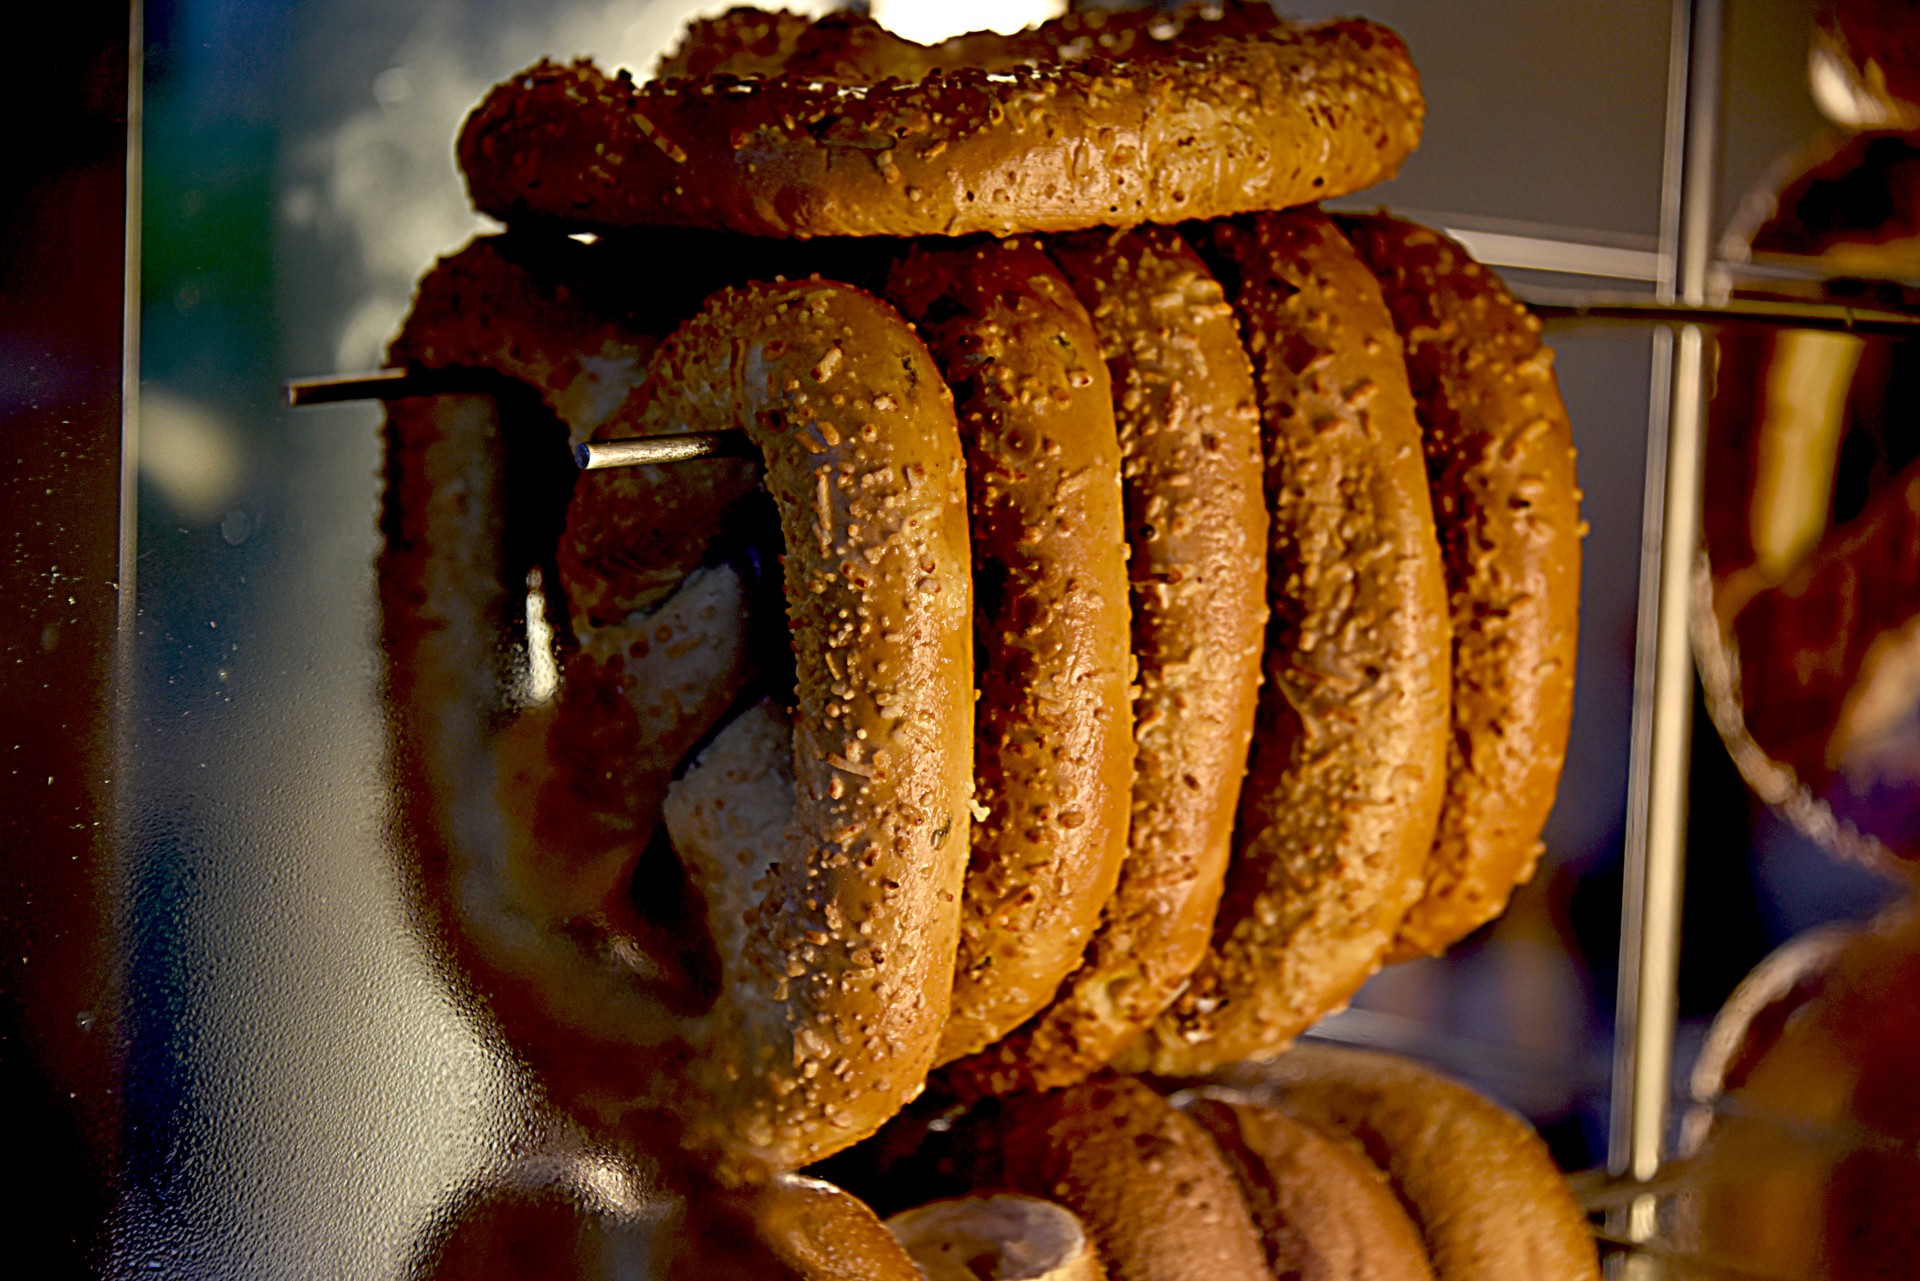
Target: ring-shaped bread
[(1003, 1235), (1478, 1182), (1158, 1199), (1198, 113), (1349, 759), (543, 1222), (1053, 729), (1500, 462), (1196, 528), (1325, 1212), (824, 854)]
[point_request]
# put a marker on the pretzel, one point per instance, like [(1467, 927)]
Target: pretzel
[(824, 847), (1499, 454), (1344, 786), (999, 143), (1196, 525), (1054, 737)]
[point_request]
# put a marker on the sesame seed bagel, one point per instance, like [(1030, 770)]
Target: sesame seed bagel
[(1349, 759), (995, 143), (783, 994), (1155, 1194), (1499, 452), (1325, 1212), (1054, 741), (1488, 1200), (1196, 526)]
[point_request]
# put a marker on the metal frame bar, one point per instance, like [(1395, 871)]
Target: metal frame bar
[(1663, 670)]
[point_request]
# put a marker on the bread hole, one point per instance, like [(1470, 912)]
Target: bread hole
[(750, 544), (537, 479), (672, 930)]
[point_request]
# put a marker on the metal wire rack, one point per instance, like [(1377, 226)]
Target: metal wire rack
[(1629, 1198)]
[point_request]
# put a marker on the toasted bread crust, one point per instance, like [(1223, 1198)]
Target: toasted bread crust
[(1154, 1192), (1054, 737), (1325, 1212), (1500, 461), (1196, 526), (997, 145), (1488, 1199), (1348, 766)]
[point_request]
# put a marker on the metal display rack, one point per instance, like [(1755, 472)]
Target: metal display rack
[(1626, 1197)]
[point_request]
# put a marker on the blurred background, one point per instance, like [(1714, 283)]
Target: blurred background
[(249, 1065)]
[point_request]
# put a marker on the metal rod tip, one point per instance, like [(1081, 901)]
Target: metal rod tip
[(645, 450)]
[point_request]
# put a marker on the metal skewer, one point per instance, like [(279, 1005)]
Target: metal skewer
[(382, 384), (596, 454), (1555, 309), (398, 384), (1762, 312)]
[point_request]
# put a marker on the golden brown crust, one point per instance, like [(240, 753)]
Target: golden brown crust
[(1325, 1212), (787, 1228), (1500, 460), (834, 986), (1196, 524), (1153, 1190), (1348, 767), (1054, 742), (1488, 1199), (1289, 115), (550, 314), (553, 1218), (517, 307)]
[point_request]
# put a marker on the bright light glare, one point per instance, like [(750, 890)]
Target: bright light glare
[(543, 672), (931, 21), (189, 454)]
